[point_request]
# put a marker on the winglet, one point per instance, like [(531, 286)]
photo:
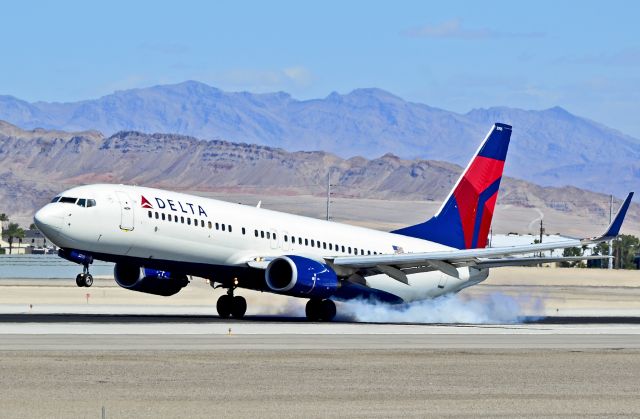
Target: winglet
[(614, 227)]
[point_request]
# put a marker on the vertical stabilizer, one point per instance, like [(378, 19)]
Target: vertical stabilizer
[(464, 219)]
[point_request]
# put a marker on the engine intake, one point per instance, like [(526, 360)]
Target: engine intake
[(148, 281), (301, 277)]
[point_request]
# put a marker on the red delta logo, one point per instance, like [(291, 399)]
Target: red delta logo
[(145, 203)]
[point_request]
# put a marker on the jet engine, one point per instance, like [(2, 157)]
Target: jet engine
[(149, 281), (301, 277)]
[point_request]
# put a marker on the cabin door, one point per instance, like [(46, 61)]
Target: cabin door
[(126, 211)]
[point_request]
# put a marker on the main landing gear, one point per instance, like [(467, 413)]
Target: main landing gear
[(320, 310), (84, 279), (230, 305)]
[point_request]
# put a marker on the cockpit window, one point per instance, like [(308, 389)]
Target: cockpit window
[(67, 200), (81, 202), (91, 202), (56, 199)]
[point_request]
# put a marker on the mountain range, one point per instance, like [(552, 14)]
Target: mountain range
[(549, 147), (37, 164)]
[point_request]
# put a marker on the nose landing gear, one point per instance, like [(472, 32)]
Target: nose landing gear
[(231, 306), (84, 279)]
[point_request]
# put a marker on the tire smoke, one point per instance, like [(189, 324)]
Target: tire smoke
[(492, 308)]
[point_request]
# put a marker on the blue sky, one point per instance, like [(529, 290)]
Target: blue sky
[(456, 55)]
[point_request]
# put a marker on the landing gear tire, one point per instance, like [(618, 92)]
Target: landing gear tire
[(88, 280), (224, 306), (84, 280), (239, 307), (328, 310), (312, 310), (320, 310)]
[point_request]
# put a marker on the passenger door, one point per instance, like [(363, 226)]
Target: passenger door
[(126, 211)]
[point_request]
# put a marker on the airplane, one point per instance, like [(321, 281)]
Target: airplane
[(159, 240)]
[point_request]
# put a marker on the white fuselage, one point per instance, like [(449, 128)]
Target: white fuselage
[(191, 229)]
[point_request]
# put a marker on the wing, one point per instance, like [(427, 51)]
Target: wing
[(447, 261)]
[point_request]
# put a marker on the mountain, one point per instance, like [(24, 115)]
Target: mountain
[(549, 147), (37, 164)]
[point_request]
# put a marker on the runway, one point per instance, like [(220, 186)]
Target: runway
[(199, 332), (64, 353), (200, 366)]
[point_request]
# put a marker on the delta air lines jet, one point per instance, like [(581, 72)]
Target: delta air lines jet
[(159, 239)]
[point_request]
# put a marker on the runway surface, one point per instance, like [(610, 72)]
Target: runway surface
[(200, 366)]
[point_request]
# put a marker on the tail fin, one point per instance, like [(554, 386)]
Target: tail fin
[(464, 219)]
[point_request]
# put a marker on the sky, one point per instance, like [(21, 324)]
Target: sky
[(457, 55)]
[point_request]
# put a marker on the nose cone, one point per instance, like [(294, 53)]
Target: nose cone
[(48, 220)]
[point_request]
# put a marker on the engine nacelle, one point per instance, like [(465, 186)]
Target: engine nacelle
[(75, 256), (301, 277), (149, 281)]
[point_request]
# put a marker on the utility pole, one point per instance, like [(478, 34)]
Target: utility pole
[(541, 233), (328, 192), (610, 265)]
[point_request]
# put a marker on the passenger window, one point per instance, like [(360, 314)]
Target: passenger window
[(268, 235), (324, 245), (230, 229), (243, 231), (306, 242), (182, 220), (157, 216), (313, 243), (168, 217), (330, 246), (286, 239), (300, 240), (175, 218), (349, 249), (188, 221), (163, 217), (342, 249), (223, 227), (256, 232), (91, 202), (81, 202), (150, 214), (262, 234), (368, 252), (275, 237), (209, 224)]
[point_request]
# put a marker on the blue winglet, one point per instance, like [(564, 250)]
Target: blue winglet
[(614, 227)]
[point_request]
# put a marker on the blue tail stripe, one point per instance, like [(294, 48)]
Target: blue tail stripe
[(482, 199)]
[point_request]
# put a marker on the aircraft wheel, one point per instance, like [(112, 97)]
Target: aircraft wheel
[(328, 310), (313, 309), (225, 302), (80, 280), (88, 280), (239, 307)]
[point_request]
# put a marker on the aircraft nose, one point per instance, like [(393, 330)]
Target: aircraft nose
[(48, 220)]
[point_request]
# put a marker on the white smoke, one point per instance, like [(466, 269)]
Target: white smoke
[(492, 308)]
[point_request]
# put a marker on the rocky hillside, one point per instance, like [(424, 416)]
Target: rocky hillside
[(35, 165), (549, 147)]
